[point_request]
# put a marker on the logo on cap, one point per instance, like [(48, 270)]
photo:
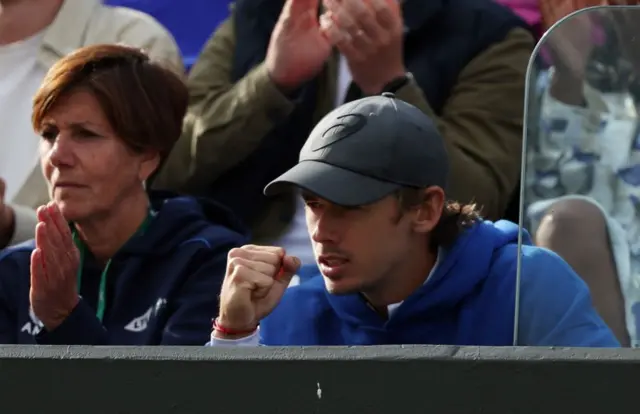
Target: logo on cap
[(349, 125)]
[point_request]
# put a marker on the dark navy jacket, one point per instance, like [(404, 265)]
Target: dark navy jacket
[(442, 38), (162, 286)]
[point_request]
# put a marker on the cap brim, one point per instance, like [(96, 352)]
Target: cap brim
[(334, 184)]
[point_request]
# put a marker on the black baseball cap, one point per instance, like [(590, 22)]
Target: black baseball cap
[(365, 150)]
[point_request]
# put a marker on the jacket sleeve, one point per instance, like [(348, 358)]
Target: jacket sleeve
[(482, 123), (192, 308), (225, 121), (195, 306), (555, 305), (81, 327)]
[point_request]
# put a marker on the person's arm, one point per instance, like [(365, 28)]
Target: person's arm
[(226, 121), (163, 49), (147, 33), (482, 123), (192, 309), (555, 305), (24, 224), (81, 327), (251, 340)]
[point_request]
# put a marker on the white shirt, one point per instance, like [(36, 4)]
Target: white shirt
[(20, 77)]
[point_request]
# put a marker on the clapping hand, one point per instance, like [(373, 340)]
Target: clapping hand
[(370, 35), (298, 49), (54, 267)]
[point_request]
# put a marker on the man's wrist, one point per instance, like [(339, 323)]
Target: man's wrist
[(223, 329), (287, 88), (567, 89), (391, 82), (397, 82)]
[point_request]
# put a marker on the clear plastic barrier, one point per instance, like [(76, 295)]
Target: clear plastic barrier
[(581, 166)]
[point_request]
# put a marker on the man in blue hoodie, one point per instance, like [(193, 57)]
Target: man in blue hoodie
[(400, 264)]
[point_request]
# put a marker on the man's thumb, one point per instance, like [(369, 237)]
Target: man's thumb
[(290, 265)]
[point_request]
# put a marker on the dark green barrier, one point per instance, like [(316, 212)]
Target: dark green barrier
[(388, 380)]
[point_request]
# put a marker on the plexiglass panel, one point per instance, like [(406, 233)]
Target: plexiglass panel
[(581, 168)]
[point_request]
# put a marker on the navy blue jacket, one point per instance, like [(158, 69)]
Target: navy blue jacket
[(162, 286)]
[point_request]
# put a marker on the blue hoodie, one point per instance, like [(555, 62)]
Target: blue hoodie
[(469, 299), (162, 286)]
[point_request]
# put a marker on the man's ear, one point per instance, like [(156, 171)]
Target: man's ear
[(430, 210)]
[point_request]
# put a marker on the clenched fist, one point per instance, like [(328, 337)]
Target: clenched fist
[(256, 279)]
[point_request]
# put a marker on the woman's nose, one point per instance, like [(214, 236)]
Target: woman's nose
[(60, 152)]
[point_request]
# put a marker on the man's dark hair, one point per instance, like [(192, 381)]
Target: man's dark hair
[(456, 217)]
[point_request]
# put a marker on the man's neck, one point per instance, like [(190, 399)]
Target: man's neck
[(22, 19), (402, 280), (104, 236)]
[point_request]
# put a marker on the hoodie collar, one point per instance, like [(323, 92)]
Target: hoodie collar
[(461, 269)]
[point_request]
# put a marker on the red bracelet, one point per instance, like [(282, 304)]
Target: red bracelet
[(231, 332)]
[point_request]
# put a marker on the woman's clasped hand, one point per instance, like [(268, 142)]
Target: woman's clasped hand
[(54, 268)]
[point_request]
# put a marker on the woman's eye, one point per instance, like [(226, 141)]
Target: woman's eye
[(86, 134), (49, 135)]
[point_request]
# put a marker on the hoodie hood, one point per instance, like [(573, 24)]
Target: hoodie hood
[(177, 219), (459, 273)]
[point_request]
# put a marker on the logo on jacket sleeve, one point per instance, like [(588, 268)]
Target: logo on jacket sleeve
[(141, 323), (34, 325)]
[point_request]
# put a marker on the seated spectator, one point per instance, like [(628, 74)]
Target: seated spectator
[(111, 265), (400, 263), (33, 36), (581, 189), (270, 72)]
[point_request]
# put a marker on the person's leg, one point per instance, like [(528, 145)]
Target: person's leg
[(576, 229)]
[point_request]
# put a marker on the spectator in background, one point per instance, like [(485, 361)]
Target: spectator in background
[(542, 14), (400, 263), (111, 265), (34, 34), (190, 21), (584, 159), (269, 73), (552, 11), (529, 10)]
